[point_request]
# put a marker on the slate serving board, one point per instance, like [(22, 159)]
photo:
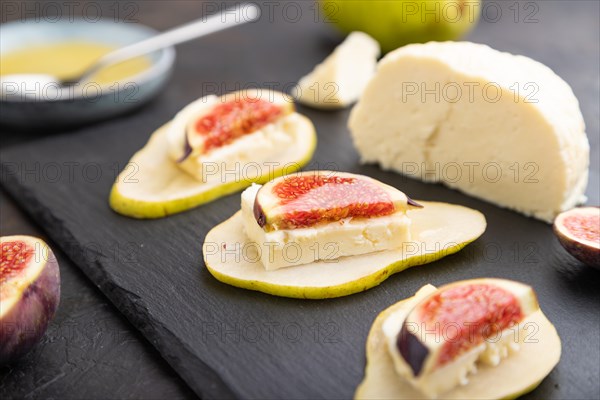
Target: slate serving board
[(229, 342)]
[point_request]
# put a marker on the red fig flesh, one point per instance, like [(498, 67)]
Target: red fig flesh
[(29, 293), (578, 230), (235, 115), (460, 317), (304, 200)]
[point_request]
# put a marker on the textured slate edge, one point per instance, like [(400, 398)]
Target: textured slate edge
[(203, 380)]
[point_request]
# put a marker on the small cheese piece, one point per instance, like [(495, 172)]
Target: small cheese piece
[(439, 375), (327, 242), (340, 79), (500, 127), (244, 155)]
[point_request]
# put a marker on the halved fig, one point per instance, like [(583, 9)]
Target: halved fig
[(578, 230), (29, 293), (463, 323), (306, 199), (154, 184), (436, 230), (521, 372)]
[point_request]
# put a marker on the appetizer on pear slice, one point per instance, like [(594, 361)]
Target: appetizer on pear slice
[(321, 234), (475, 339), (213, 147)]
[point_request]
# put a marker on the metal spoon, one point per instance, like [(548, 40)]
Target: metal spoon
[(238, 15)]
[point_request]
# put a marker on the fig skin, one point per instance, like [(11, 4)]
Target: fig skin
[(585, 253), (22, 327), (412, 350)]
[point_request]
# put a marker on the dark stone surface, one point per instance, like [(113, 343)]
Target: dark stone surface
[(227, 342), (89, 350)]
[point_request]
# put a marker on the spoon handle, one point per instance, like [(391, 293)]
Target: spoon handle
[(237, 15)]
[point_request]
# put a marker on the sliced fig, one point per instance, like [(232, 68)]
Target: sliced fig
[(578, 230), (450, 327), (518, 374), (29, 293), (306, 199), (231, 117)]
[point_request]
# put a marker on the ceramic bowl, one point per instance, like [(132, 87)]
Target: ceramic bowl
[(68, 108)]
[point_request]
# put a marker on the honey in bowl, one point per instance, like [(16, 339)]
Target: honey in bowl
[(65, 60)]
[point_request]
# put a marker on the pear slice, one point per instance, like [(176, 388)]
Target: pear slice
[(437, 230), (153, 186), (518, 374)]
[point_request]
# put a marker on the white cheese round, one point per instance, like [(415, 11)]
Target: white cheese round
[(499, 127)]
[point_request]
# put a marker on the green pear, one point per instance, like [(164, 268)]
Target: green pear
[(395, 23)]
